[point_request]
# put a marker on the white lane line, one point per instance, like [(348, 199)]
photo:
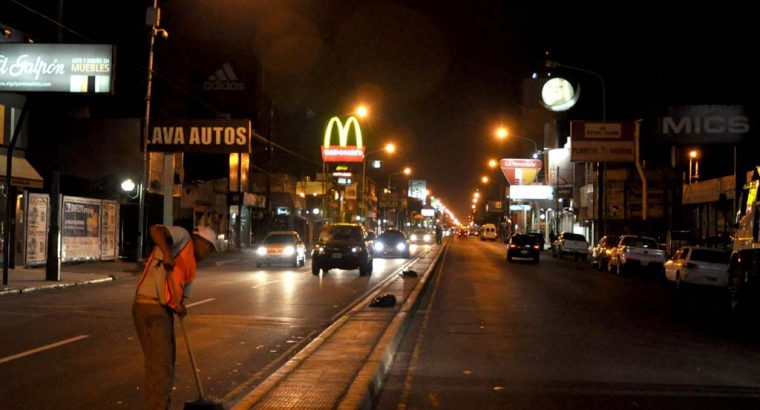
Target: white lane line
[(264, 284), (42, 348), (200, 302)]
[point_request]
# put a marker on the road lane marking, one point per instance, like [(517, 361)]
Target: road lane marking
[(42, 348), (264, 284), (200, 302)]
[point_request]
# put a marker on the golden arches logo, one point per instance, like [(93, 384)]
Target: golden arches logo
[(343, 130), (343, 152)]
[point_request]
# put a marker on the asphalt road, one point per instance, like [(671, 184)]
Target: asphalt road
[(559, 335), (76, 348)]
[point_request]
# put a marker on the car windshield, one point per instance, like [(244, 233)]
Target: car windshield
[(341, 233), (611, 242), (709, 256), (523, 240), (573, 237), (638, 242), (391, 236), (281, 238)]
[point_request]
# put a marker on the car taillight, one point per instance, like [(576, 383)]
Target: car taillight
[(513, 246), (535, 246)]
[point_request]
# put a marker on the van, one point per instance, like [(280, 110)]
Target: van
[(488, 231)]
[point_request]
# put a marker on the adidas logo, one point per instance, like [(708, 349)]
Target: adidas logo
[(223, 79)]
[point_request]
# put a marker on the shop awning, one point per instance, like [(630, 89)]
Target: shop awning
[(23, 173)]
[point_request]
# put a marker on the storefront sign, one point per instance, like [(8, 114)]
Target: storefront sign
[(601, 141), (519, 171), (704, 124), (68, 68), (418, 189), (207, 136), (343, 152)]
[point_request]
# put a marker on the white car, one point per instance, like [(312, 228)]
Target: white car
[(488, 232), (633, 251), (571, 244), (698, 266)]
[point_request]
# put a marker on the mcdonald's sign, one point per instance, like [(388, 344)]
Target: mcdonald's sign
[(343, 152)]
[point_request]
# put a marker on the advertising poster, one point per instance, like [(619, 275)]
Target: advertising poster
[(418, 189), (80, 229), (109, 225), (38, 211)]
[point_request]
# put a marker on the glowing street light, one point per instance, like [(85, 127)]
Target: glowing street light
[(492, 163), (362, 111), (484, 179), (694, 158), (503, 133)]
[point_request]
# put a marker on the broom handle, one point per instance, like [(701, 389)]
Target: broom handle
[(192, 359)]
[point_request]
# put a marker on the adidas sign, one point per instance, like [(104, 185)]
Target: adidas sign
[(223, 79)]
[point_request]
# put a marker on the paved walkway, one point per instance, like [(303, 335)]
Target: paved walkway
[(25, 280)]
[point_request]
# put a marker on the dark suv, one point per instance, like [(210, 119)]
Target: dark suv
[(342, 246)]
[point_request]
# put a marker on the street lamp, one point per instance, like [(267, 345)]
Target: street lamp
[(694, 157), (502, 133), (406, 171), (390, 148)]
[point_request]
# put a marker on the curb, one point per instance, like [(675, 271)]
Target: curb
[(369, 381), (54, 286)]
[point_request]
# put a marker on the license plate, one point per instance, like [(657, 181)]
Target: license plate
[(337, 255), (523, 252)]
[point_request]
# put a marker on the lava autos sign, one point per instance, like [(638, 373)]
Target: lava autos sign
[(72, 68), (199, 136), (343, 152), (519, 171)]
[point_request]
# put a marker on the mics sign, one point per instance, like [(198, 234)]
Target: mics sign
[(705, 124)]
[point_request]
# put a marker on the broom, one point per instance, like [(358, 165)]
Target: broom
[(202, 403)]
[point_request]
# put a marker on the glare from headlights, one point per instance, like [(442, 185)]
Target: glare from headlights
[(401, 246), (289, 250), (426, 238), (413, 237), (355, 249), (379, 246), (261, 251)]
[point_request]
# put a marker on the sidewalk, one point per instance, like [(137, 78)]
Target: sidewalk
[(25, 280)]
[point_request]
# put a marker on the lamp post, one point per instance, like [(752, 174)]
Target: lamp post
[(601, 192), (390, 148), (694, 158), (406, 171), (503, 133), (153, 19)]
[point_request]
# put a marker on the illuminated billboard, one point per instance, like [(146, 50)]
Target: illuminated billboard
[(343, 152), (67, 68), (519, 171), (531, 192), (418, 189)]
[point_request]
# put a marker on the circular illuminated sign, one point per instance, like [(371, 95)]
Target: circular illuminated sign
[(558, 94)]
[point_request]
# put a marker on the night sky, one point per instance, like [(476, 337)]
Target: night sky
[(438, 76)]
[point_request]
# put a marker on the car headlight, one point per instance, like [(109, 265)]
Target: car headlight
[(426, 238), (400, 246), (289, 250), (379, 246), (355, 249), (261, 251), (413, 237)]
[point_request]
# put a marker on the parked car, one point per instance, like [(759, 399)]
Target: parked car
[(523, 246), (281, 247), (488, 232), (569, 243), (635, 251), (392, 243), (342, 246), (599, 254), (698, 266), (421, 236)]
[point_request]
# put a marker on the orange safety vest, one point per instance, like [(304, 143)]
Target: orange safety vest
[(182, 275)]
